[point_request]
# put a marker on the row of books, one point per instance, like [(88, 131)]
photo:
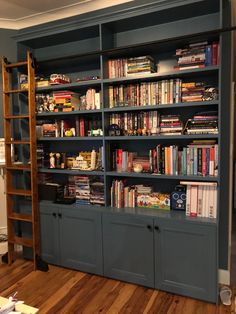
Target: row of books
[(146, 93), (195, 159), (138, 195), (151, 123), (201, 199), (160, 93), (131, 66), (144, 123), (198, 55)]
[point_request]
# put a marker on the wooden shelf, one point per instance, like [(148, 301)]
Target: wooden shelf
[(72, 172), (16, 65), (162, 137), (72, 138), (163, 106), (175, 73), (71, 113), (161, 176)]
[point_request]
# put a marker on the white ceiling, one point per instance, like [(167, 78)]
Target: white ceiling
[(17, 14)]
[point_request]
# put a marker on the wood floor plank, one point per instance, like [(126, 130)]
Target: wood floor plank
[(65, 291)]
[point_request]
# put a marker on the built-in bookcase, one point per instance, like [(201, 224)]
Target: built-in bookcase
[(86, 49)]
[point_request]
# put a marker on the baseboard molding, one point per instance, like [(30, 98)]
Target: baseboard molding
[(224, 276)]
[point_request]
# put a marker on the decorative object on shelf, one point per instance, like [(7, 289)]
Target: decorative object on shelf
[(154, 200), (56, 79), (114, 130), (210, 93), (137, 167), (52, 160), (70, 132), (178, 198), (88, 78), (58, 161), (95, 132)]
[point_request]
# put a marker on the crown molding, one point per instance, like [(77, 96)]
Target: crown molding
[(59, 13)]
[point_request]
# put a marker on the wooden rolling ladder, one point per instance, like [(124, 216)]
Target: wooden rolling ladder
[(14, 218)]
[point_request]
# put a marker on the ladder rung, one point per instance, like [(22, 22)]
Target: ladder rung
[(20, 217), (12, 91), (20, 241), (17, 117), (17, 64), (20, 192), (18, 167), (17, 142)]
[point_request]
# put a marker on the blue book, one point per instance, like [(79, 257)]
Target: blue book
[(208, 55)]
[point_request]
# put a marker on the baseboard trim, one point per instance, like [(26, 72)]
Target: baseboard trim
[(224, 277)]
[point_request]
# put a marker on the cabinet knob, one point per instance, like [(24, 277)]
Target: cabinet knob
[(157, 228), (54, 214), (59, 215), (149, 227)]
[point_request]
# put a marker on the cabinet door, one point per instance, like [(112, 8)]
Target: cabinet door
[(186, 258), (81, 240), (49, 235), (128, 248)]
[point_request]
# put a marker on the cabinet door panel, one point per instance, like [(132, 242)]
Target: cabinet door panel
[(81, 240), (186, 259), (49, 235), (128, 248)]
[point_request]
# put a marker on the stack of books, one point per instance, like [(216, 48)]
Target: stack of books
[(192, 91), (140, 65), (170, 125), (131, 66), (97, 193), (203, 123), (198, 55), (201, 199), (82, 190), (65, 100)]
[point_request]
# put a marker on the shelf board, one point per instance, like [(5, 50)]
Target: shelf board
[(71, 172), (174, 73), (161, 176), (76, 112), (74, 85), (153, 107), (18, 142), (72, 138), (162, 137), (21, 241)]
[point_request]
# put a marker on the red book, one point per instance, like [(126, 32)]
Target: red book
[(215, 53), (81, 126), (204, 161)]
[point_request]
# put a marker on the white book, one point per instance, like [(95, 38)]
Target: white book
[(215, 199), (203, 200), (199, 201), (188, 196), (193, 201), (97, 100), (211, 210)]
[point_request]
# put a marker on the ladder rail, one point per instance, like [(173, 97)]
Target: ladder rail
[(34, 242)]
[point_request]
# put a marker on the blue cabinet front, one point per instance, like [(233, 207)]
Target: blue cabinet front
[(128, 248)]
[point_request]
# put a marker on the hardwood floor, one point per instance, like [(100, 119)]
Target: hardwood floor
[(66, 291)]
